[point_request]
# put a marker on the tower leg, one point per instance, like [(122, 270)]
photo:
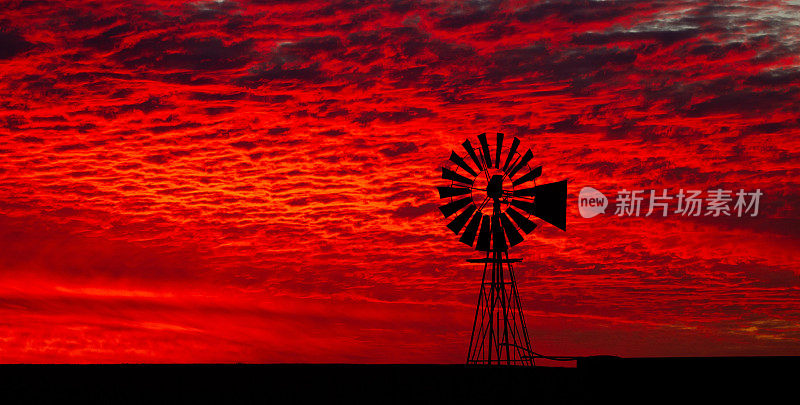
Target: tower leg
[(499, 335)]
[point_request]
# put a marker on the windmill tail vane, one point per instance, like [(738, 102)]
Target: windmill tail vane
[(491, 200)]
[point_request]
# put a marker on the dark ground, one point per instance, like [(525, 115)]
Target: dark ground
[(595, 380)]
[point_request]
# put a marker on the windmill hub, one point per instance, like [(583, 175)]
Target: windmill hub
[(490, 186), (495, 187)]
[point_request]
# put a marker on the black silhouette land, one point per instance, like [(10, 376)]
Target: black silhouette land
[(595, 380)]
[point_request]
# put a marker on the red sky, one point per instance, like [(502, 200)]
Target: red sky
[(253, 181)]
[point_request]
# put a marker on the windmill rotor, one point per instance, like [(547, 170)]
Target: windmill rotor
[(480, 189)]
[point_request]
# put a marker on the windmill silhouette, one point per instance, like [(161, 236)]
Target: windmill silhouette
[(491, 203)]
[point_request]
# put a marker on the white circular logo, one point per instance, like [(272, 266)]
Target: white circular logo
[(591, 202)]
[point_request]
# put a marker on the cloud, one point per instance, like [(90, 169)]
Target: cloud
[(200, 96), (399, 148), (246, 145), (468, 13), (575, 11), (665, 36), (164, 52), (758, 101), (775, 77), (13, 44), (264, 73), (399, 116), (408, 211)]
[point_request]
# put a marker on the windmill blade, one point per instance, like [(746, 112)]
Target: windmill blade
[(485, 148), (498, 151), (513, 235), (485, 235), (522, 162), (468, 237), (498, 236), (445, 192), (551, 203), (511, 152), (454, 206), (461, 163), (471, 151), (533, 174), (461, 219), (526, 206), (448, 174), (525, 224), (525, 192)]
